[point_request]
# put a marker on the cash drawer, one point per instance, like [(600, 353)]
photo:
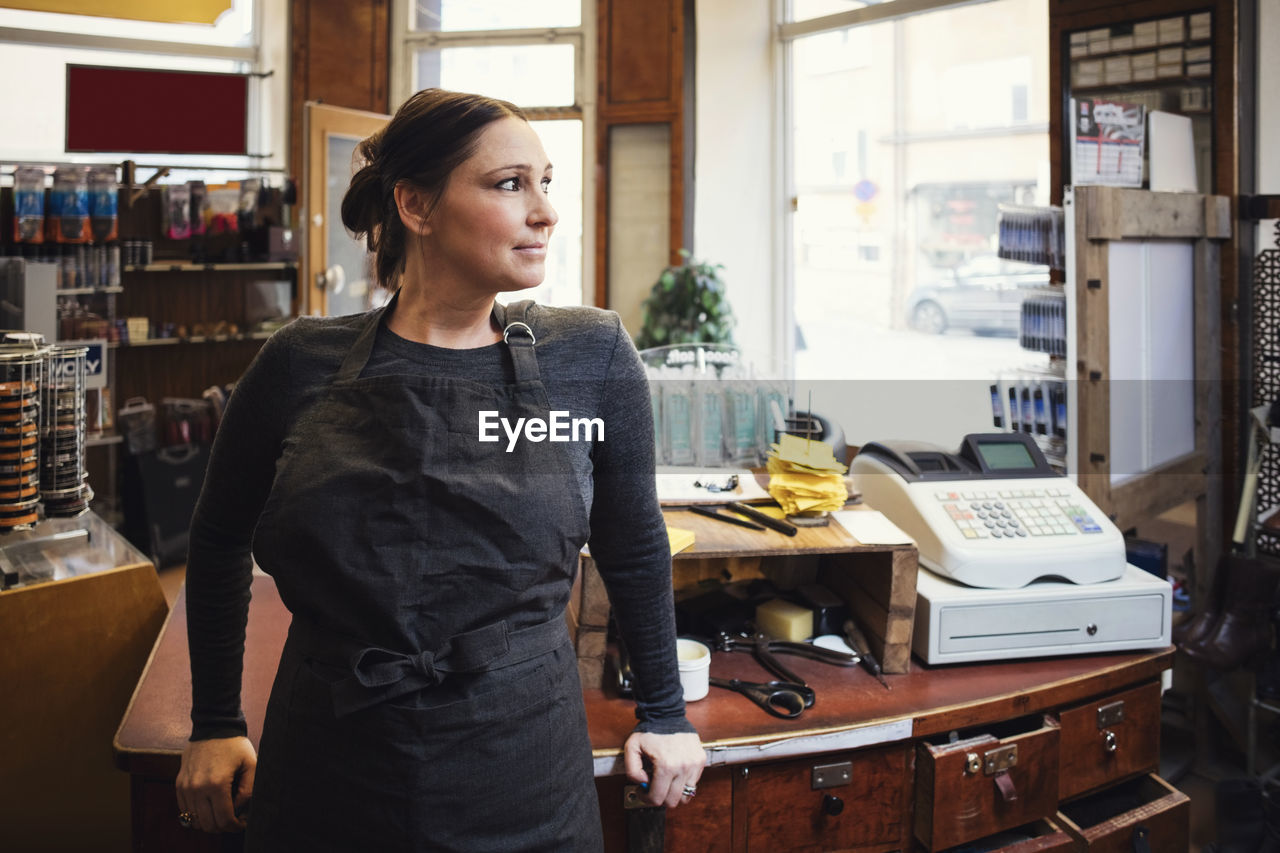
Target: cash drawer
[(989, 780), (1124, 817), (1109, 739)]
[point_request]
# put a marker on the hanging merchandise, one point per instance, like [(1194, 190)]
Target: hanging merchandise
[(28, 204), (104, 198), (199, 194), (177, 211), (1044, 322), (69, 203), (1034, 235)]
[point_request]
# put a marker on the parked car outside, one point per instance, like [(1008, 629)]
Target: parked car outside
[(983, 294)]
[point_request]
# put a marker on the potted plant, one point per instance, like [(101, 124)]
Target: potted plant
[(687, 305)]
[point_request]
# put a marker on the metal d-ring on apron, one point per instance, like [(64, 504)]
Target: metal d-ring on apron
[(419, 561)]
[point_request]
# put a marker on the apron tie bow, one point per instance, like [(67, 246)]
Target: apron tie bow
[(377, 675)]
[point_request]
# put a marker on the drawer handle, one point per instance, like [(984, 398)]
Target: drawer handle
[(1004, 784), (1109, 741)]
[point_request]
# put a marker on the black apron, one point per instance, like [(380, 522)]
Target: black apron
[(428, 695)]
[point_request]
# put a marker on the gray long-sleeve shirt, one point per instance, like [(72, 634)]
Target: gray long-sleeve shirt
[(589, 368)]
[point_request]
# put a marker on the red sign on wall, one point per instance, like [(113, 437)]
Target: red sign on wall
[(149, 111)]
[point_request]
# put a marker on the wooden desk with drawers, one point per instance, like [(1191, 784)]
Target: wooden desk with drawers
[(906, 789)]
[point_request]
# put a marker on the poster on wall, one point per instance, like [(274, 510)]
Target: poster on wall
[(1106, 142)]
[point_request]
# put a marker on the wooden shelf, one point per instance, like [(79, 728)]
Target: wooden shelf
[(193, 339), (178, 266), (1141, 85), (1152, 48), (85, 291)]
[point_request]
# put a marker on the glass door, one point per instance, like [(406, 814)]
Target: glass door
[(336, 267)]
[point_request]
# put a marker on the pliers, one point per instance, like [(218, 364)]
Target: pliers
[(764, 647)]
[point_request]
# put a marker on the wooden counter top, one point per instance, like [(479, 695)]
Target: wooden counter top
[(934, 699)]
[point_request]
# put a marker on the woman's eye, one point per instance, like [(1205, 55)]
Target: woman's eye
[(512, 184), (546, 185)]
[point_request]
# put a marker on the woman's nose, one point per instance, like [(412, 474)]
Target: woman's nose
[(543, 212)]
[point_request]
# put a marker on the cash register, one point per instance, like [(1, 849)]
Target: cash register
[(1016, 560)]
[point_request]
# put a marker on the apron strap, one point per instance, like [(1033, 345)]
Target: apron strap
[(379, 675), (519, 338), (516, 333), (358, 356)]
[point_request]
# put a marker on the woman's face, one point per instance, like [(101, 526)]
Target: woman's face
[(491, 226)]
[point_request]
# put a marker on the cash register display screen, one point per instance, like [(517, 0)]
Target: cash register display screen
[(1005, 456)]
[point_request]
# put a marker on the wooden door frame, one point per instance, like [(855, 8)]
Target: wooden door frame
[(319, 122)]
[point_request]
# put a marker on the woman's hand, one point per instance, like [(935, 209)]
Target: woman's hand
[(211, 771), (675, 763)]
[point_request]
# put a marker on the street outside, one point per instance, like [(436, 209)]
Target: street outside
[(884, 383)]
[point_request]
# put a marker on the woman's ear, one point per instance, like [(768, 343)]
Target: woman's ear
[(414, 208)]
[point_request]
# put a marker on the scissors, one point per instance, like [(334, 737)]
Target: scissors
[(780, 698)]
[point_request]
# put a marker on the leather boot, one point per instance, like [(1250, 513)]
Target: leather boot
[(1267, 683), (1243, 633), (1239, 815), (1201, 625), (1270, 817)]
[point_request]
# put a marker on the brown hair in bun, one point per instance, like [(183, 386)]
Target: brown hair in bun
[(431, 134)]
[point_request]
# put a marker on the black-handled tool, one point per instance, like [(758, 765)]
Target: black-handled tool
[(779, 698), (767, 520), (859, 642), (727, 519)]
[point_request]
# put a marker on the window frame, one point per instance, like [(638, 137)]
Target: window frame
[(405, 41), (257, 53)]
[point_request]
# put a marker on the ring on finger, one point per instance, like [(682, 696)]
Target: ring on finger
[(690, 791), (186, 819)]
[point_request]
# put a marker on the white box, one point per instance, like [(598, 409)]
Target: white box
[(1171, 153), (1122, 42), (1169, 70), (1146, 28), (1117, 69), (1198, 54), (1078, 37), (1097, 47), (1102, 34), (1200, 69), (1168, 55), (1143, 74), (1193, 99), (1172, 30), (1079, 50), (1145, 40), (1143, 60), (1201, 22)]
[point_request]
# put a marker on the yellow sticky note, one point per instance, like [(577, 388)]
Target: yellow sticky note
[(679, 539), (804, 451)]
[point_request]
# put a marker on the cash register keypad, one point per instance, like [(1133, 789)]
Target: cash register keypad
[(1017, 513)]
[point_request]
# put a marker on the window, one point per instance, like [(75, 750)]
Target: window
[(250, 37), (534, 55), (904, 135)]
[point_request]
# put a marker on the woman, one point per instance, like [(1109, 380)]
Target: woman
[(427, 695)]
